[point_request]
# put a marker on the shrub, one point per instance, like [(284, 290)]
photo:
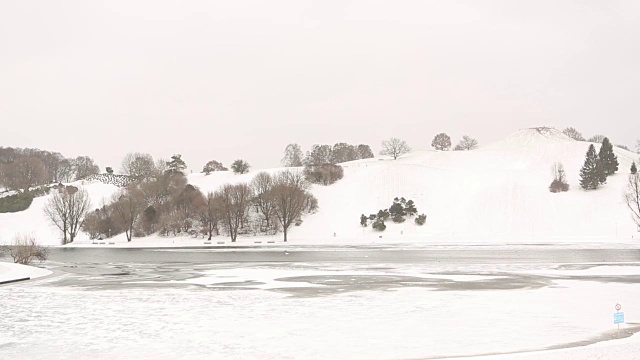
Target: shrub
[(363, 220), (24, 250), (16, 203), (379, 225), (421, 219), (558, 186), (398, 219), (323, 174)]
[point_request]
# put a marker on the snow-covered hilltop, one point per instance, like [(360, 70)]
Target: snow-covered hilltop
[(497, 193)]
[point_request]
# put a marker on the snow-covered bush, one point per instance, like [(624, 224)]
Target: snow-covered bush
[(421, 219)]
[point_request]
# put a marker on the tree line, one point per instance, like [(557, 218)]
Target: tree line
[(164, 203), (23, 169)]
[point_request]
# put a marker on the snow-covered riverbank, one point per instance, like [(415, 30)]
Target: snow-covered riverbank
[(11, 272)]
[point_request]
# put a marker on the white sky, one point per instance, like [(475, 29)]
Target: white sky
[(242, 79)]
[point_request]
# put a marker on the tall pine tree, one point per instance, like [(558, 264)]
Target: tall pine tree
[(634, 169), (608, 158), (591, 172)]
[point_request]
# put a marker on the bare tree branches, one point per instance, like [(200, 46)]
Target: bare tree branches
[(632, 197), (236, 200), (441, 142), (467, 143), (574, 134), (290, 199), (66, 209), (25, 250), (138, 165), (394, 147)]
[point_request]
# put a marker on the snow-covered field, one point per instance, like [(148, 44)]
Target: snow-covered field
[(320, 311)]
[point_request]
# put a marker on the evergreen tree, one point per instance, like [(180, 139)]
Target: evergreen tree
[(363, 220), (590, 174), (608, 158), (634, 169), (176, 164), (410, 208)]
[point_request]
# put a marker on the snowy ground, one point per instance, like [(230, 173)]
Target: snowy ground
[(321, 310), (11, 271)]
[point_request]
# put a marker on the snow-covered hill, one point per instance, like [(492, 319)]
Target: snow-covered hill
[(497, 193)]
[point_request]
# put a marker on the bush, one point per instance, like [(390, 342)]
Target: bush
[(421, 219), (379, 225), (558, 186), (363, 220), (24, 250), (398, 219), (16, 203), (323, 174)]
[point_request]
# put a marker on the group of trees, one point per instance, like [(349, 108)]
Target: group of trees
[(598, 138), (324, 174), (325, 154), (166, 204), (396, 212), (23, 169), (598, 166), (395, 147)]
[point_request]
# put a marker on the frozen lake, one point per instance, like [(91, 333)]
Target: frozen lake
[(320, 303)]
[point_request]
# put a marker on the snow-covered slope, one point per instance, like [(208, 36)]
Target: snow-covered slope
[(33, 220), (497, 193)]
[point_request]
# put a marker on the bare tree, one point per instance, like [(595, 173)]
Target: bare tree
[(127, 207), (161, 166), (240, 167), (573, 133), (64, 171), (236, 200), (364, 151), (632, 197), (24, 173), (596, 139), (212, 214), (441, 141), (343, 152), (24, 249), (139, 166), (66, 209), (292, 156), (84, 166), (319, 154), (262, 185), (467, 143), (290, 199), (394, 147)]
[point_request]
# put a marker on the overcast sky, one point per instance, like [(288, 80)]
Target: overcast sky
[(242, 79)]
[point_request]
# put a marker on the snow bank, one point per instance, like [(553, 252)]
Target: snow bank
[(11, 271)]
